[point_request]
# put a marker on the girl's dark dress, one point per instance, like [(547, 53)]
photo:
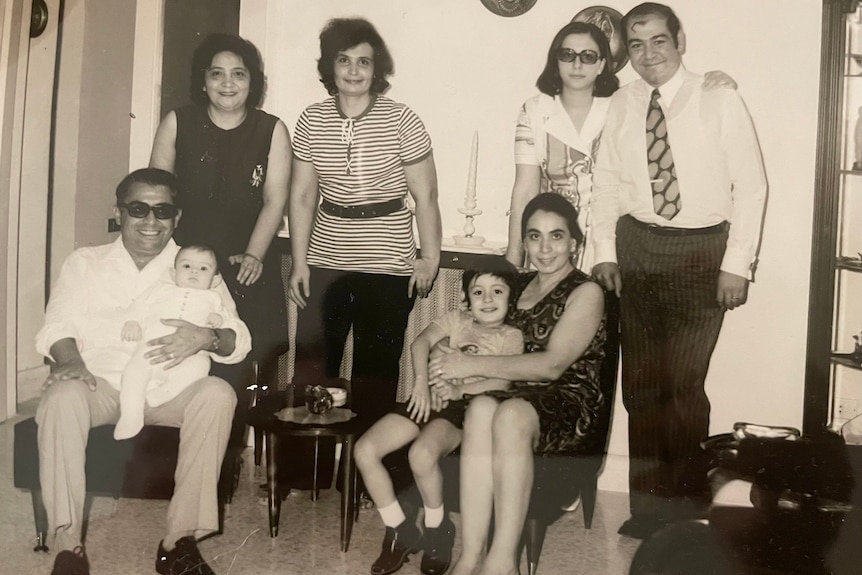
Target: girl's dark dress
[(223, 172), (573, 409)]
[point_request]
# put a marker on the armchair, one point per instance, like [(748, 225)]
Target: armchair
[(141, 467)]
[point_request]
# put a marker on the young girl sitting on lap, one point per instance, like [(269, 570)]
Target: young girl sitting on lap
[(432, 418)]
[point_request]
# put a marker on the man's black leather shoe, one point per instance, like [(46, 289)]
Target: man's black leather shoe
[(437, 545), (641, 526), (398, 543), (184, 559), (71, 562)]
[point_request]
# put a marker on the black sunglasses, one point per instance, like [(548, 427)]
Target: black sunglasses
[(142, 210), (569, 55)]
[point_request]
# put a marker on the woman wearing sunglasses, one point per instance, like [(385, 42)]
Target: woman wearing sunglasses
[(558, 131)]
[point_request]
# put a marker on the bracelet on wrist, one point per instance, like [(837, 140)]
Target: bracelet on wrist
[(254, 257)]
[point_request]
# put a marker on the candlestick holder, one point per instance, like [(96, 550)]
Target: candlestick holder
[(469, 210), (468, 239)]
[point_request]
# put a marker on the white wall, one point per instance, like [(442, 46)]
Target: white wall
[(462, 68)]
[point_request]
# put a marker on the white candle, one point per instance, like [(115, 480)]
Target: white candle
[(471, 175)]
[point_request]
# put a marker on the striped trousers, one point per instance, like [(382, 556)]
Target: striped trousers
[(669, 323)]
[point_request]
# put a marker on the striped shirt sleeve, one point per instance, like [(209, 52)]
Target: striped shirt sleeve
[(414, 140)]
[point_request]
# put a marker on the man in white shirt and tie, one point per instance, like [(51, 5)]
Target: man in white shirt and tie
[(678, 196)]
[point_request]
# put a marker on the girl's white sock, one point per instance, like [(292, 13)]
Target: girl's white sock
[(392, 515), (433, 516)]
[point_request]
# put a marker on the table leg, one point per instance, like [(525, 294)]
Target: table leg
[(348, 490), (272, 483), (315, 490)]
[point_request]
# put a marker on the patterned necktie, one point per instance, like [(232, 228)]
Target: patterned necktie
[(662, 173)]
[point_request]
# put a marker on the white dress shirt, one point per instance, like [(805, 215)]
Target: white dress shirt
[(89, 301), (717, 159)]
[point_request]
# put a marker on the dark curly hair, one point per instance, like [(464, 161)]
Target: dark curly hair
[(555, 204), (496, 266), (340, 34), (203, 58), (549, 81), (641, 11)]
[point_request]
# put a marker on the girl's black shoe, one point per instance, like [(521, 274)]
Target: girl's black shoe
[(437, 543), (398, 543)]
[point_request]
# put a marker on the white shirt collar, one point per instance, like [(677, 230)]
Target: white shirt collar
[(669, 89)]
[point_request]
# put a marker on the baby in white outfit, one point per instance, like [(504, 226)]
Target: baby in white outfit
[(189, 297)]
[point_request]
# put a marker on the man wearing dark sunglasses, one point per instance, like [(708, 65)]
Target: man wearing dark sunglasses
[(81, 338)]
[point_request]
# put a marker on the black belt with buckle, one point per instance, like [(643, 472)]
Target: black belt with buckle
[(362, 211), (677, 232)]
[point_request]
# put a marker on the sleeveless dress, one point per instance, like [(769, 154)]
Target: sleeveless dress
[(572, 410), (223, 172)]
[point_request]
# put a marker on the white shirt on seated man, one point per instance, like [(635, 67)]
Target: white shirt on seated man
[(80, 336)]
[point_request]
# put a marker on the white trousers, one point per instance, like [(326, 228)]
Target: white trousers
[(203, 412)]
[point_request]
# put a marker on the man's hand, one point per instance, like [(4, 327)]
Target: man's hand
[(422, 278), (73, 370), (299, 288), (732, 290), (186, 341), (608, 275)]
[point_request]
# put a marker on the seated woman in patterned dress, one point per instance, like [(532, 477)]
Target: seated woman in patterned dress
[(555, 403)]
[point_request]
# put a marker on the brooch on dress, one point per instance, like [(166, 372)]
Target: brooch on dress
[(257, 176)]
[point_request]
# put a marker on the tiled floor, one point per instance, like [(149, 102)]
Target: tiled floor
[(122, 536)]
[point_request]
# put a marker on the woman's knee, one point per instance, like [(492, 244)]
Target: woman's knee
[(515, 418), (480, 412)]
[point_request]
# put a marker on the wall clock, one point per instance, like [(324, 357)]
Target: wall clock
[(508, 8)]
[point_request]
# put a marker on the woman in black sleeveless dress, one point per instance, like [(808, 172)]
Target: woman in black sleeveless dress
[(234, 161), (555, 404)]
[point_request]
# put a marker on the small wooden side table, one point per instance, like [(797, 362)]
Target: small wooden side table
[(278, 430)]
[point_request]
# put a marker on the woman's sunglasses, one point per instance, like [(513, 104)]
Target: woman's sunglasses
[(142, 210), (569, 55)]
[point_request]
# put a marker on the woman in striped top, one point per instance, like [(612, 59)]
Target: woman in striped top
[(356, 156)]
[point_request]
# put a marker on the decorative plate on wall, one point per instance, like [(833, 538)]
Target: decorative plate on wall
[(608, 21), (508, 8)]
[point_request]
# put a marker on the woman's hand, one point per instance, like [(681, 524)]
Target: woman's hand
[(422, 278), (250, 268), (454, 365), (447, 391), (298, 285), (419, 406), (187, 340), (718, 79)]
